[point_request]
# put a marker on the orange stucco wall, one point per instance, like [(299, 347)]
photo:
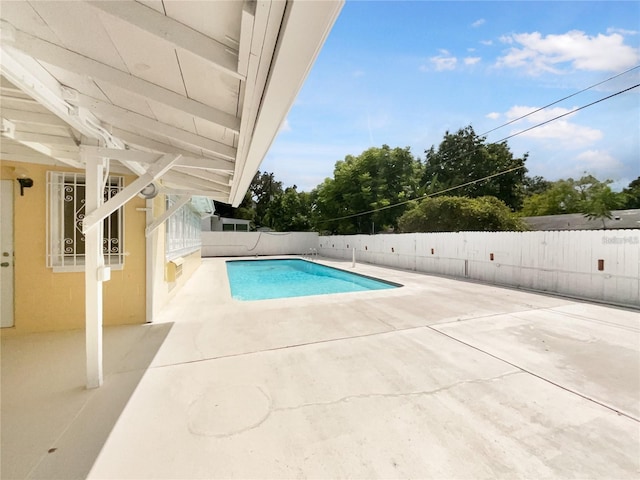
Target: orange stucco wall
[(45, 300)]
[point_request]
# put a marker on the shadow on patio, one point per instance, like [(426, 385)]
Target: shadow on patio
[(52, 426)]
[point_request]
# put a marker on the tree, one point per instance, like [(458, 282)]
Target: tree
[(535, 185), (600, 203), (632, 194), (454, 214), (377, 178), (570, 196), (562, 197), (290, 211), (464, 157), (264, 188)]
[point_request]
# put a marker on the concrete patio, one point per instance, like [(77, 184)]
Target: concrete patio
[(438, 379)]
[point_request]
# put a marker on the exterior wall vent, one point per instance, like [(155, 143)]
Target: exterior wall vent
[(174, 269)]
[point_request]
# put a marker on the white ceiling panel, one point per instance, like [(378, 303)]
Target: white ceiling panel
[(157, 5), (77, 81), (153, 60), (211, 130), (174, 117), (24, 17), (87, 37), (124, 98), (219, 19), (208, 85)]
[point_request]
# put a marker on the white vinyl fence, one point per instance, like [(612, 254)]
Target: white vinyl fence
[(238, 244), (602, 265)]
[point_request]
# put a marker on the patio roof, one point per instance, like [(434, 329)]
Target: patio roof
[(207, 81)]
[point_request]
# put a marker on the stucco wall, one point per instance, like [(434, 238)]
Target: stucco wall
[(237, 244), (564, 262), (164, 290), (45, 300)]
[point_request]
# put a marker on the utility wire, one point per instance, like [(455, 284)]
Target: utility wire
[(558, 101), (569, 113), (426, 195), (488, 176)]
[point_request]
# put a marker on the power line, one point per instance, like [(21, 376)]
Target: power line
[(426, 195), (569, 113), (558, 101), (488, 176)]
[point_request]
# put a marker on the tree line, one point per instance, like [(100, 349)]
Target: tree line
[(463, 184)]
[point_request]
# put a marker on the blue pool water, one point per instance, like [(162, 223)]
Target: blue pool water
[(264, 279)]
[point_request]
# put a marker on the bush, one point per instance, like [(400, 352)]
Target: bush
[(454, 214)]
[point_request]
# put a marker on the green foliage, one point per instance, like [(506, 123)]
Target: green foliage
[(290, 211), (463, 157), (377, 178), (569, 196), (454, 214), (632, 194), (264, 188), (562, 197), (600, 203), (535, 185)]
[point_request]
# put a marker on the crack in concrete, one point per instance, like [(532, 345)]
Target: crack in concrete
[(398, 395)]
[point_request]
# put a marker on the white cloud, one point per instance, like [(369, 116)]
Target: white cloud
[(478, 22), (597, 161), (518, 111), (285, 127), (493, 115), (622, 31), (566, 134), (471, 60), (486, 42), (444, 61), (553, 53), (562, 132)]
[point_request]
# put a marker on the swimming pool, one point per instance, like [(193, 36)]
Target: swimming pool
[(266, 279)]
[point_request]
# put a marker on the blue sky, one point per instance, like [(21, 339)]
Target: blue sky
[(403, 73)]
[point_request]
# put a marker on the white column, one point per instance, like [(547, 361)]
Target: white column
[(94, 261), (150, 259)]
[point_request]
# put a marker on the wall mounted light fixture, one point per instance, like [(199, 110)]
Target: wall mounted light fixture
[(22, 175)]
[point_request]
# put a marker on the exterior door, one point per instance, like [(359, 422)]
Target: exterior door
[(6, 253)]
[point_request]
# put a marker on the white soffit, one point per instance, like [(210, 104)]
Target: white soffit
[(208, 80)]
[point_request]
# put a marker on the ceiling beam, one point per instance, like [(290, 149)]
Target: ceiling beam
[(119, 116), (177, 34), (185, 180), (85, 66), (152, 144), (200, 193), (22, 136), (222, 180), (27, 74), (150, 157), (38, 118), (207, 163)]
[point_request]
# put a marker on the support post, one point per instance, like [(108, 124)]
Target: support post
[(353, 258), (150, 259), (94, 261)]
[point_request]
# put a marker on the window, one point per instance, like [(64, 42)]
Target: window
[(183, 230), (66, 210)]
